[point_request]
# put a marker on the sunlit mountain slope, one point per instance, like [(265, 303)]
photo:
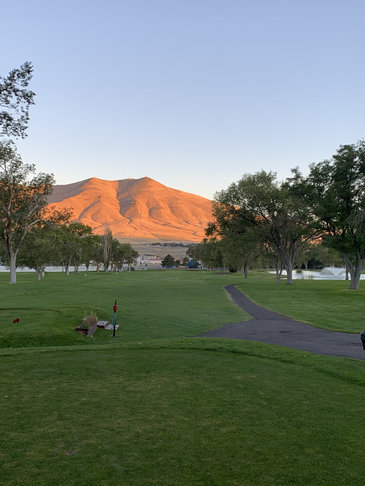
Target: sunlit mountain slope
[(135, 208)]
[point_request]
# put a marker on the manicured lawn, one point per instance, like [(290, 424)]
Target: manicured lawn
[(323, 303), (151, 305), (156, 407), (170, 416)]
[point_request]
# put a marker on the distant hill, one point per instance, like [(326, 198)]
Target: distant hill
[(135, 209)]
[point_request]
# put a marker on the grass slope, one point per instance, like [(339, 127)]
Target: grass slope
[(156, 408)]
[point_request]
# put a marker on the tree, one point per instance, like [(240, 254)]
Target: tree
[(22, 200), (15, 100), (130, 255), (37, 249), (121, 253), (337, 190), (208, 252), (316, 256), (107, 240), (240, 242), (168, 261), (82, 242), (91, 249), (185, 262), (72, 241), (277, 211)]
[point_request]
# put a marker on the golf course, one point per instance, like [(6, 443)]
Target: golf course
[(156, 405)]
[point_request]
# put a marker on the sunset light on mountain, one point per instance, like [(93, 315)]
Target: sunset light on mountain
[(135, 208)]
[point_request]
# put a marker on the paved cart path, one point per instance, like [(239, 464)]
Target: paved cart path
[(269, 327)]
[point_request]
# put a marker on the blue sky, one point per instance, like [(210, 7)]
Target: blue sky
[(191, 93)]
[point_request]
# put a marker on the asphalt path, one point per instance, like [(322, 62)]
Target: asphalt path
[(269, 327)]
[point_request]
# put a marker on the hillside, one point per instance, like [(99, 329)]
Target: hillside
[(135, 208)]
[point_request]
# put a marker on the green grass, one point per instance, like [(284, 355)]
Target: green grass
[(151, 305), (175, 415), (156, 407), (328, 304)]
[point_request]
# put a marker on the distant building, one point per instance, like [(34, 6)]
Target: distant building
[(152, 261)]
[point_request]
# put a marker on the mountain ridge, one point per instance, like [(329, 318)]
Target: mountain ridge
[(135, 208)]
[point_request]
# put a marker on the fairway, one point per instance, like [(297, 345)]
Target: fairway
[(156, 407), (322, 303), (151, 305)]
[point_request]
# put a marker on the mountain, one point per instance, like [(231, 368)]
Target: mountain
[(135, 209)]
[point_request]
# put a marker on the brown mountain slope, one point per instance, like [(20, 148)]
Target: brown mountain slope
[(135, 208)]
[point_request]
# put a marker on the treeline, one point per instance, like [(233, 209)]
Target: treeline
[(170, 262), (73, 244), (282, 223), (171, 245)]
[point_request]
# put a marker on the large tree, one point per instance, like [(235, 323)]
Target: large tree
[(73, 240), (208, 252), (130, 254), (337, 190), (240, 242), (38, 249), (276, 211), (23, 200), (15, 100)]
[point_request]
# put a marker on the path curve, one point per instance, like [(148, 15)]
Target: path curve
[(269, 327)]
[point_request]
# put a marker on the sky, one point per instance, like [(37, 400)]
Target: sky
[(192, 93)]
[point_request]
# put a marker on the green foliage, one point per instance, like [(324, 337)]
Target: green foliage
[(74, 243), (38, 249), (185, 262), (317, 256), (284, 217), (208, 252), (22, 200), (15, 100), (107, 241), (258, 212), (337, 190), (168, 261)]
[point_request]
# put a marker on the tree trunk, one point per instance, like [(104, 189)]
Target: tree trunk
[(245, 270), (38, 271), (355, 270), (278, 270), (288, 264), (67, 267), (12, 262), (289, 275), (12, 258), (355, 280)]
